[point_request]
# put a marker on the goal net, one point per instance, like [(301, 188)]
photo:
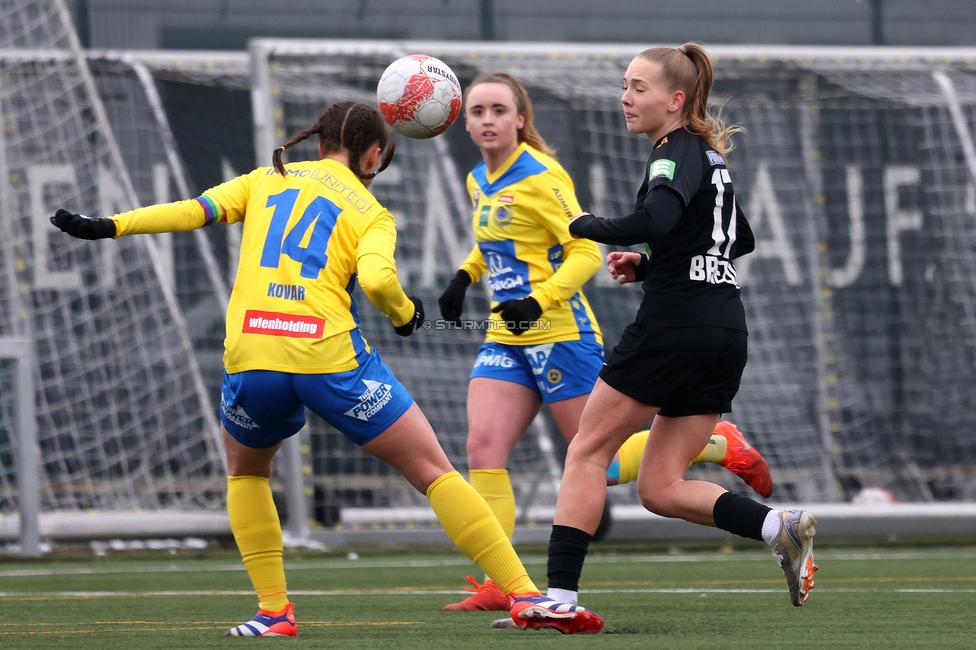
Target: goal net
[(857, 173), (124, 421)]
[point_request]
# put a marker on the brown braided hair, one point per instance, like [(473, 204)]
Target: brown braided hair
[(348, 126), (689, 69)]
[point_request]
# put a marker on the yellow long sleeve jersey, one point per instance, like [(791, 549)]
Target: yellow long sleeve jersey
[(305, 237), (521, 229)]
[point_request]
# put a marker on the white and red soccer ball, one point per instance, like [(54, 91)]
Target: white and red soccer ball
[(419, 96)]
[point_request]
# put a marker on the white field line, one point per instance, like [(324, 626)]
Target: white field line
[(41, 595), (332, 565)]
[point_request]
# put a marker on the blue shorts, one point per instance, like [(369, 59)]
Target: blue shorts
[(558, 371), (260, 408)]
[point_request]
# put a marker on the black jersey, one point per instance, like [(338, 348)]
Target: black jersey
[(687, 217), (691, 278)]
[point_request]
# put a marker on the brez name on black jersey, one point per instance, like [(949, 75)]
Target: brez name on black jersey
[(715, 266)]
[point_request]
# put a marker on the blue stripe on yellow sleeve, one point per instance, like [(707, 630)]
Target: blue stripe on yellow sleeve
[(212, 211)]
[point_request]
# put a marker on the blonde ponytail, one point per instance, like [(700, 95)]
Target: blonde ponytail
[(688, 68)]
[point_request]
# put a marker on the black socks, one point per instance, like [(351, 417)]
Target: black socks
[(567, 550), (738, 515)]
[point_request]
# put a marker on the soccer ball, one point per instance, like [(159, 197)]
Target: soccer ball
[(419, 96), (873, 496)]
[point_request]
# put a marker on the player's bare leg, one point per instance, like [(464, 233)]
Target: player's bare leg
[(664, 491)]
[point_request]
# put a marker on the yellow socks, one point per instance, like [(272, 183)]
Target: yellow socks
[(714, 451), (496, 488), (470, 524), (631, 452), (257, 531)]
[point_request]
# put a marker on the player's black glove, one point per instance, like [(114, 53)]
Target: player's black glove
[(518, 314), (414, 323), (82, 227), (451, 301)]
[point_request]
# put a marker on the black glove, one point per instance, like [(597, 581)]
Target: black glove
[(518, 314), (82, 227), (451, 301), (414, 323)]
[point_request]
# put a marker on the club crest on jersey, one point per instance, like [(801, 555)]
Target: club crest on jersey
[(714, 158), (554, 376), (503, 215), (662, 167)]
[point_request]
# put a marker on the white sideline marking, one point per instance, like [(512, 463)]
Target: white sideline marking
[(332, 565), (452, 592)]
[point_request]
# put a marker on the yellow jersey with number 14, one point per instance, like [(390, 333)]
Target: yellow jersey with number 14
[(521, 229), (306, 235)]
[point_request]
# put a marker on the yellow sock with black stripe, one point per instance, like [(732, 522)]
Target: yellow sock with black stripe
[(714, 451), (496, 489), (470, 524), (257, 531)]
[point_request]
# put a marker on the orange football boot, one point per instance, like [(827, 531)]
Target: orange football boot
[(743, 460), (267, 623), (487, 597)]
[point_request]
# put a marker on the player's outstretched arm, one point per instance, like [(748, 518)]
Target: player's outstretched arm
[(179, 216), (82, 227), (653, 220)]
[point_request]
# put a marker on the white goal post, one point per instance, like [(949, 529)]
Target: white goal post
[(17, 351)]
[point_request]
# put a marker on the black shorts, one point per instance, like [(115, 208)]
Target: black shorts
[(682, 370)]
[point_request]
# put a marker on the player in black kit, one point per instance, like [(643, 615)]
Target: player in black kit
[(681, 360)]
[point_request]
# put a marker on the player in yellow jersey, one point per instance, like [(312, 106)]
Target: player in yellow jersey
[(544, 346), (293, 342)]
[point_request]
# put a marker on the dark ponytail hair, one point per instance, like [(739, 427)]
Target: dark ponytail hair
[(687, 68), (344, 126)]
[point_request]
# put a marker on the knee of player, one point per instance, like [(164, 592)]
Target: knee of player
[(589, 449), (654, 498), (483, 450)]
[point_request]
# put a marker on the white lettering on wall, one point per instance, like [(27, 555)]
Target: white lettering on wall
[(845, 277), (898, 219), (766, 216)]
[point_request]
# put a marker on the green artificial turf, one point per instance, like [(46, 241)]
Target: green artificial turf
[(865, 598)]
